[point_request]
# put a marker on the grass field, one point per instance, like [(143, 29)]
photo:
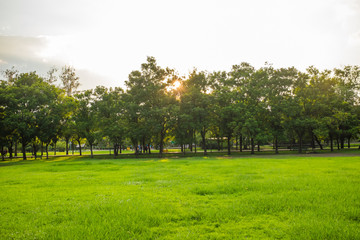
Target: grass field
[(261, 197)]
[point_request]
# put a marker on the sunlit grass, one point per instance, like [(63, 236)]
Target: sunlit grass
[(213, 197), (264, 150)]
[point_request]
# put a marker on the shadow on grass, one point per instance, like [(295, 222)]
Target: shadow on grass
[(179, 155), (9, 163)]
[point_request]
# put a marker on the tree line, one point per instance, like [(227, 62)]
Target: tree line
[(243, 108)]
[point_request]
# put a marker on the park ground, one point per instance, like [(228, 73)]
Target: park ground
[(128, 153), (308, 196)]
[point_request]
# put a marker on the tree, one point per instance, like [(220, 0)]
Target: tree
[(10, 75), (85, 119), (183, 125), (68, 125), (347, 89), (278, 92), (69, 80), (110, 114), (49, 118), (196, 102), (149, 104), (8, 136), (51, 77), (224, 105), (5, 128), (251, 99), (298, 109), (30, 95)]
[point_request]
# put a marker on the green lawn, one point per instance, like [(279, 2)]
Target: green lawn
[(261, 197)]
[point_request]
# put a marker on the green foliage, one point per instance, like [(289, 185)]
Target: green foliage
[(85, 118), (69, 80), (110, 115), (254, 106), (148, 104)]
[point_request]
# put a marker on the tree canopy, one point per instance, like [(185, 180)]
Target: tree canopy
[(242, 108)]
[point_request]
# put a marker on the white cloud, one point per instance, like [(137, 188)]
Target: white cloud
[(40, 54), (354, 39)]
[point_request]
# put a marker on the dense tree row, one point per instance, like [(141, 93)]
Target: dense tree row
[(243, 108)]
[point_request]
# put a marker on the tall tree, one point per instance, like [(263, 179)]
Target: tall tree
[(110, 114), (225, 105), (85, 118), (347, 88), (30, 96), (148, 104), (278, 92), (49, 117), (69, 80), (196, 101), (67, 124)]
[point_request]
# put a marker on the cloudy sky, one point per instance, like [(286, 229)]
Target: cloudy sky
[(105, 40)]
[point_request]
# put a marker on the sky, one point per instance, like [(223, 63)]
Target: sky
[(105, 40)]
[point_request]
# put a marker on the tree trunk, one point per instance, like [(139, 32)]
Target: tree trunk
[(252, 146), (331, 142), (203, 133), (300, 143), (318, 142), (54, 149), (228, 147), (67, 146), (258, 147), (194, 141), (342, 141), (349, 138), (23, 149), (42, 149), (46, 149), (241, 143), (11, 149), (276, 146), (91, 150), (2, 153), (218, 142), (16, 143), (143, 146), (191, 145), (115, 152), (338, 143), (136, 150), (236, 143), (312, 140), (161, 143), (35, 150), (72, 146), (79, 147)]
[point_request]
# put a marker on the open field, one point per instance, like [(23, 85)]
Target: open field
[(215, 197)]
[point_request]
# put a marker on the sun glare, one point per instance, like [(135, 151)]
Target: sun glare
[(176, 84)]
